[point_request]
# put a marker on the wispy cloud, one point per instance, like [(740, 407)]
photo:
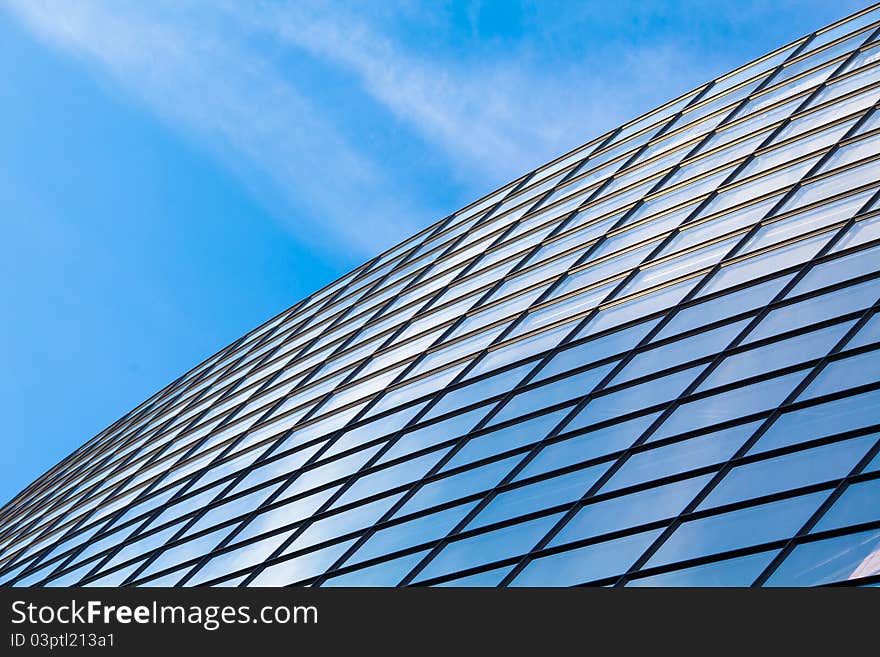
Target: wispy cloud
[(209, 84), (205, 69)]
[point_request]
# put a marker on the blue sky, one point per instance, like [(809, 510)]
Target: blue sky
[(173, 173)]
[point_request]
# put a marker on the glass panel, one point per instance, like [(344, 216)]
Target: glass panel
[(508, 438), (552, 393), (488, 578), (843, 374), (832, 560), (631, 510), (634, 398), (729, 405), (765, 263), (538, 496), (587, 446), (181, 553), (388, 479), (795, 149), (816, 309), (284, 515), (283, 466), (838, 270), (859, 503), (486, 548), (564, 310), (801, 224), (682, 265), (433, 434), (706, 312), (638, 307), (729, 531), (866, 230), (375, 429), (819, 421), (414, 532), (231, 509), (586, 564), (676, 353), (854, 152), (596, 349), (522, 349), (243, 557), (680, 457), (345, 522), (782, 473), (458, 485), (479, 391), (741, 571), (776, 355), (387, 573), (328, 471), (302, 567), (868, 334)]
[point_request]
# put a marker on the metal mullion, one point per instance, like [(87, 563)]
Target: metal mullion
[(78, 454), (829, 502), (239, 341), (352, 376), (584, 259), (671, 405), (74, 475), (513, 323), (561, 226), (390, 441), (336, 434), (387, 304), (672, 311), (133, 457), (173, 387), (743, 449), (316, 456)]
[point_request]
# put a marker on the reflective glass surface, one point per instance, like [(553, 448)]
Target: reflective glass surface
[(648, 363)]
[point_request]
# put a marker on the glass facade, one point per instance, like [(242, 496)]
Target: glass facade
[(651, 362)]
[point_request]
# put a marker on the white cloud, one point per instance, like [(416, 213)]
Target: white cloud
[(207, 83), (206, 69)]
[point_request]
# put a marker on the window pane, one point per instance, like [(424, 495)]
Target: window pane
[(831, 560), (431, 435), (739, 402), (387, 573), (819, 421), (741, 571), (675, 353), (301, 567), (728, 531), (680, 457), (596, 349), (541, 495), (501, 440), (486, 548), (414, 532), (843, 374), (776, 355), (816, 309), (458, 485), (587, 446), (552, 393), (859, 503), (587, 563), (630, 510), (782, 473)]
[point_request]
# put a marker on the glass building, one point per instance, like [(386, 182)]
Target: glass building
[(652, 361)]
